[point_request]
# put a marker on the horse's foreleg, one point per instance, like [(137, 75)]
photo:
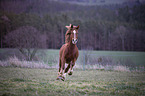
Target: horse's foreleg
[(62, 66), (71, 68), (59, 65), (66, 70), (60, 71)]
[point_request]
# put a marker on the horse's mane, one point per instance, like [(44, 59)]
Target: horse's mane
[(67, 37)]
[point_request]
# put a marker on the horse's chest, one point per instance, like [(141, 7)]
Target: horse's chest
[(70, 57)]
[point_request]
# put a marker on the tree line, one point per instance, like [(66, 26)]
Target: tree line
[(107, 27)]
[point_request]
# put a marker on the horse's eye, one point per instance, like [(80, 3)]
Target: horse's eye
[(68, 33)]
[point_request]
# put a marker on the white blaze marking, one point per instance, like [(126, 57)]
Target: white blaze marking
[(74, 34)]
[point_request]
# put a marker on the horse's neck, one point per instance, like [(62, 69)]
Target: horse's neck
[(71, 46)]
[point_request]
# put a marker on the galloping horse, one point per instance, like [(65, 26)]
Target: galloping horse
[(68, 52)]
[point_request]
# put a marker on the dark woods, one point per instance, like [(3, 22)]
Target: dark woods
[(106, 27)]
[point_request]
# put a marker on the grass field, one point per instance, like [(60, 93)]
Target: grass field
[(41, 82), (110, 60)]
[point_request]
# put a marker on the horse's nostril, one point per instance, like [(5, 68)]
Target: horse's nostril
[(74, 41)]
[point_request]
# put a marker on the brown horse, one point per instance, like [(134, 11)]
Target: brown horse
[(68, 52)]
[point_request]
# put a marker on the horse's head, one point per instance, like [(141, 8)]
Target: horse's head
[(71, 34)]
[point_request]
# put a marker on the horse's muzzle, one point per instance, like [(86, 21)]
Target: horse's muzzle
[(74, 41)]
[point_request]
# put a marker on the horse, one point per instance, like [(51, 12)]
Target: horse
[(68, 52)]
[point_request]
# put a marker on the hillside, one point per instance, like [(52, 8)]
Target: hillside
[(52, 6), (101, 2), (102, 26)]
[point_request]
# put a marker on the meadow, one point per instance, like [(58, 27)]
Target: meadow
[(107, 73), (88, 59), (41, 82)]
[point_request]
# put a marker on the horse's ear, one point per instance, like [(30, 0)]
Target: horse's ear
[(71, 26), (77, 27), (67, 27)]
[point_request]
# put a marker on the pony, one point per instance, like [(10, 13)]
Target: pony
[(68, 52)]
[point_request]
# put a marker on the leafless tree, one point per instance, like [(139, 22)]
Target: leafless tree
[(5, 27), (27, 39), (121, 31)]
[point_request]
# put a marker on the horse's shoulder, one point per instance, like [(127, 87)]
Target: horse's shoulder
[(63, 47)]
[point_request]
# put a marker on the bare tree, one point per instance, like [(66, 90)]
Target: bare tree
[(5, 28), (121, 30), (27, 39)]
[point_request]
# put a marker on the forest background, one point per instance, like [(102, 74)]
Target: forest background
[(119, 27)]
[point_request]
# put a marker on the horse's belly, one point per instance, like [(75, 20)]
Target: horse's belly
[(69, 59)]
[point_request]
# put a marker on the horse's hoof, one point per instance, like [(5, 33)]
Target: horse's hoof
[(70, 73), (60, 78), (57, 78)]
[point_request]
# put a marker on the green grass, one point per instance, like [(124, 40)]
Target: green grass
[(126, 59), (41, 82)]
